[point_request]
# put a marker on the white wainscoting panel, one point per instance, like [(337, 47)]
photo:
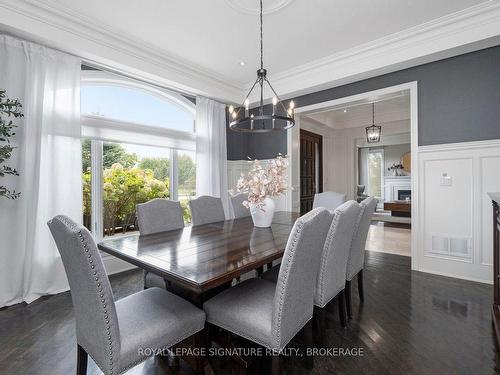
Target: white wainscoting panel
[(489, 182), (454, 224)]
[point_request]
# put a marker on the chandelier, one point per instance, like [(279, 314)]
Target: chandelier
[(259, 121), (373, 131)]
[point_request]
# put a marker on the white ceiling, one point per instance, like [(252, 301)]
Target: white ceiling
[(215, 35), (355, 115), (195, 46)]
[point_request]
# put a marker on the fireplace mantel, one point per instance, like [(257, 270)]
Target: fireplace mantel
[(392, 184)]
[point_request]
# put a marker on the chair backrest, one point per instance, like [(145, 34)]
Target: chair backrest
[(96, 320), (329, 200), (206, 209), (159, 215), (238, 209), (294, 296), (332, 270), (360, 189), (356, 259)]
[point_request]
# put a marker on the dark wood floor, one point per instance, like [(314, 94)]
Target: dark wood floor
[(410, 323)]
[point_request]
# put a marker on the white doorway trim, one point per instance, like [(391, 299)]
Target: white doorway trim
[(293, 143)]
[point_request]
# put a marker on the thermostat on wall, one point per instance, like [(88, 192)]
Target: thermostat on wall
[(445, 180)]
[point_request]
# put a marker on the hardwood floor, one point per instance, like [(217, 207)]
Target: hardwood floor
[(410, 323)]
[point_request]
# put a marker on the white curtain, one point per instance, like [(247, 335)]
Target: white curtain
[(48, 158), (211, 152), (363, 167)]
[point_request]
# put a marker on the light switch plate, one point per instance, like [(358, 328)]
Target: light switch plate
[(446, 181)]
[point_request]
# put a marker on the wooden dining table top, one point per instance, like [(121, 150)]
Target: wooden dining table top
[(204, 257)]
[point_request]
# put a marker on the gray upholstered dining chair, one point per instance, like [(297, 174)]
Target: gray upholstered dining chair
[(238, 209), (332, 271), (113, 333), (356, 261), (329, 200), (360, 193), (206, 209), (158, 215), (271, 314)]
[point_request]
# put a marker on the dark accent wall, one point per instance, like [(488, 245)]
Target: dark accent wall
[(241, 146), (458, 101), (237, 144)]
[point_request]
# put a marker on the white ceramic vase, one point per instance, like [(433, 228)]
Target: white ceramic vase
[(263, 216)]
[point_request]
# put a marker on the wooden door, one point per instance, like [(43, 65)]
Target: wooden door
[(311, 168)]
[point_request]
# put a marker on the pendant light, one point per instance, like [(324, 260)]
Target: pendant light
[(373, 131), (280, 118)]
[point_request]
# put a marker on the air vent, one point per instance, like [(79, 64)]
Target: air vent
[(451, 246), (440, 244), (459, 246)]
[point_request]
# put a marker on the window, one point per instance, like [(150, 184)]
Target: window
[(375, 169), (186, 178), (137, 146), (134, 106)]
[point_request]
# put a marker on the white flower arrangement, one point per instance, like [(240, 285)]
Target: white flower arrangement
[(260, 183)]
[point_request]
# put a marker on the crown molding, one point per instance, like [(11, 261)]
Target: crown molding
[(62, 28), (57, 26), (461, 32)]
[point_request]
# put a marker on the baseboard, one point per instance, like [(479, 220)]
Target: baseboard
[(482, 281)]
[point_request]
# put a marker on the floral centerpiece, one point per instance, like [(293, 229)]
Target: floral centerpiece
[(260, 184)]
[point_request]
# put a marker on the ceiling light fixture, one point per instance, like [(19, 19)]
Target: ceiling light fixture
[(243, 63), (373, 131), (281, 118)]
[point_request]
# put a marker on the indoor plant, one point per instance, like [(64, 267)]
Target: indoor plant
[(9, 109), (261, 183)]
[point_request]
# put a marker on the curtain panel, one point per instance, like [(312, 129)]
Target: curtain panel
[(211, 151), (48, 158)]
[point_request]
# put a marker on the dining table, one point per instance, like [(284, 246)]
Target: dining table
[(197, 262)]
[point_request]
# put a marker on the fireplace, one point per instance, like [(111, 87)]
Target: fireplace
[(404, 195)]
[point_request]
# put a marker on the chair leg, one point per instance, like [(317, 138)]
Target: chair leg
[(348, 299), (200, 342), (260, 271), (208, 336), (319, 317), (360, 286), (144, 272), (81, 361), (276, 365), (308, 343), (341, 302)]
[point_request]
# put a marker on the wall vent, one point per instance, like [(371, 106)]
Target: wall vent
[(450, 246)]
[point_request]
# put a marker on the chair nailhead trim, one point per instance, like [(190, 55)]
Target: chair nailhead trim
[(277, 328), (328, 243), (103, 300)]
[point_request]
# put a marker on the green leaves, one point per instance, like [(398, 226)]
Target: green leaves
[(123, 188), (9, 108)]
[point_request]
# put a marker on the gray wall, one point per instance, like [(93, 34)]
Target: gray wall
[(241, 146), (237, 144), (458, 101)]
